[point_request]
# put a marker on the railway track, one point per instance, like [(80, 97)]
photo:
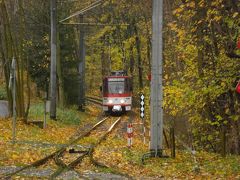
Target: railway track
[(94, 100), (100, 130)]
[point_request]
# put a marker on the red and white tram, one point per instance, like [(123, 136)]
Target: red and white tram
[(117, 92)]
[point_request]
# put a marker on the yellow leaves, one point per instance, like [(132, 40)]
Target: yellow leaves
[(29, 156), (201, 3), (180, 32), (166, 77), (117, 155), (25, 153), (29, 43), (235, 14), (199, 22), (173, 26), (15, 156), (223, 84), (24, 156), (217, 18), (177, 11), (216, 3), (213, 13), (46, 38), (191, 4)]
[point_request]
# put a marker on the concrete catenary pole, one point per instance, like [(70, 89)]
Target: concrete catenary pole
[(53, 75), (81, 67), (156, 82)]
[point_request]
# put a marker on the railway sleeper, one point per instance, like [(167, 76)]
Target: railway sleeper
[(73, 151)]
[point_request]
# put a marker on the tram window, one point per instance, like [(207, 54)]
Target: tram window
[(116, 87)]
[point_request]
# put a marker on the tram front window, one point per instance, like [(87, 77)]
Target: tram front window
[(116, 87)]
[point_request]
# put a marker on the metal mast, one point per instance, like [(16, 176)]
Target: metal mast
[(156, 82), (12, 86), (53, 76)]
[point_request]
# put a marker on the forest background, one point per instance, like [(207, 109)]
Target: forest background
[(201, 59)]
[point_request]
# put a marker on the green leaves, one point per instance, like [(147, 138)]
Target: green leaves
[(201, 74)]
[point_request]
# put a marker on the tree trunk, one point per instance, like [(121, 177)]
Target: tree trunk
[(139, 58), (13, 47), (132, 62), (7, 52)]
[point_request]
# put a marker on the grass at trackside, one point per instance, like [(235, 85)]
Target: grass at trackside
[(67, 116)]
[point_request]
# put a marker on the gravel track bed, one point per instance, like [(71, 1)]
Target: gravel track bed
[(45, 173)]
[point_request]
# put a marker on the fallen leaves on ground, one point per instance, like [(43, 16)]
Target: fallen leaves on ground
[(32, 141), (115, 154)]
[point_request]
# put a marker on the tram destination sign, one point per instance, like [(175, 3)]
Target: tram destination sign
[(115, 79)]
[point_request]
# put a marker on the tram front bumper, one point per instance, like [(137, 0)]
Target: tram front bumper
[(117, 108)]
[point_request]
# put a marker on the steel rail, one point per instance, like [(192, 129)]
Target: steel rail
[(52, 155), (73, 164)]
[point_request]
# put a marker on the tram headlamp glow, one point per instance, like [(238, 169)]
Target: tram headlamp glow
[(110, 101), (122, 101)]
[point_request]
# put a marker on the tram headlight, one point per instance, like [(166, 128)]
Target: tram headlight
[(110, 101), (122, 101)]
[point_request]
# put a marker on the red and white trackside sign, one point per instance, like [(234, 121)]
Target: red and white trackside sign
[(238, 87), (238, 43), (129, 134)]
